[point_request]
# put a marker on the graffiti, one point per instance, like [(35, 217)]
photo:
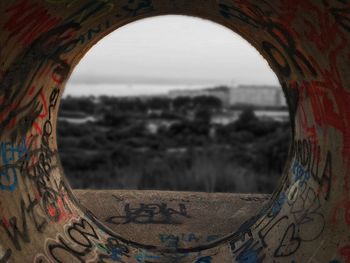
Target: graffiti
[(345, 253), (236, 12), (301, 175), (149, 214), (90, 11), (278, 204), (9, 154), (146, 257), (174, 241), (138, 7), (308, 155), (89, 35), (84, 237), (28, 21), (309, 53), (249, 253), (279, 57), (48, 47), (306, 213), (17, 233), (290, 51), (289, 244)]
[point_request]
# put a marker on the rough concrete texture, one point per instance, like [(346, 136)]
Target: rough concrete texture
[(171, 219), (306, 42)]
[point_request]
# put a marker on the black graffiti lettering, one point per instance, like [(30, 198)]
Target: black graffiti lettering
[(47, 128), (53, 100), (306, 214), (91, 11), (81, 235), (287, 42), (149, 214), (245, 230), (60, 192), (289, 244), (17, 233), (92, 31), (235, 12), (48, 47), (276, 56), (138, 7), (309, 155), (53, 248), (5, 258), (40, 226), (268, 227), (87, 11), (85, 230)]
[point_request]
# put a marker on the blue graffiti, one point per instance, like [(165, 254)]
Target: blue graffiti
[(143, 257), (117, 253), (300, 173), (9, 155), (278, 204), (248, 256), (204, 260)]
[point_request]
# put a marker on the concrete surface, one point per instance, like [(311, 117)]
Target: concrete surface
[(306, 43), (184, 219)]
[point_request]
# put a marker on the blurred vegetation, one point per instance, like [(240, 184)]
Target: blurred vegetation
[(182, 151)]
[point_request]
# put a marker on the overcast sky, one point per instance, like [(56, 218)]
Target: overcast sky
[(167, 51)]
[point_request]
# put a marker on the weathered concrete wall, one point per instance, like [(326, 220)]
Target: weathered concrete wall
[(306, 42), (171, 219)]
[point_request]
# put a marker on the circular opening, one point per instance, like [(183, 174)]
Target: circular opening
[(181, 112)]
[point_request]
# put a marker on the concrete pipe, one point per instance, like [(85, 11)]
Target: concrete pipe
[(306, 43)]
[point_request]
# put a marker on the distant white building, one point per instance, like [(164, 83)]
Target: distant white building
[(257, 95), (243, 94)]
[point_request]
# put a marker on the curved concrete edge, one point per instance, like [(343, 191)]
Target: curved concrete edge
[(305, 42), (171, 219)]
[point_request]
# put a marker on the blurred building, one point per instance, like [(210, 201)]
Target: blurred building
[(241, 95), (257, 95)]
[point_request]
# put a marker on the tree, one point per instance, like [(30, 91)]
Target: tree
[(182, 103), (210, 103)]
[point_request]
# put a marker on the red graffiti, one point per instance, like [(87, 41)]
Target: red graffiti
[(323, 34), (345, 253), (28, 21), (289, 10), (60, 210), (328, 97)]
